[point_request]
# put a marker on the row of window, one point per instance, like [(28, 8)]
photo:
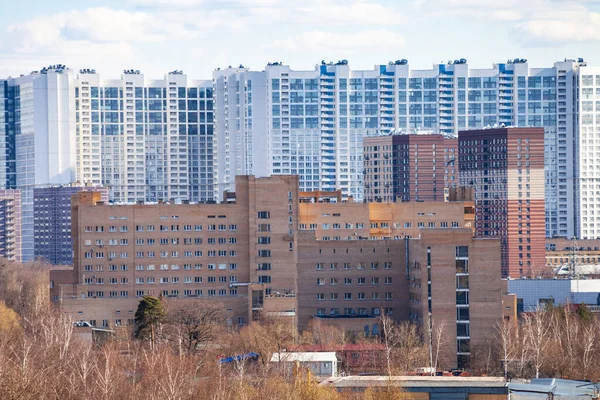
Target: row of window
[(173, 267), (377, 225), (167, 254), (166, 241), (359, 296), (162, 228), (167, 293), (359, 281), (348, 266), (164, 279), (358, 311)]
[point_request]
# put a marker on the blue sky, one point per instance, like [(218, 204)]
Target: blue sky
[(157, 36)]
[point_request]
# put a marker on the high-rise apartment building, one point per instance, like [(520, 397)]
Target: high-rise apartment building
[(145, 139), (311, 123), (10, 224), (153, 139), (38, 145), (52, 221), (506, 169), (409, 167)]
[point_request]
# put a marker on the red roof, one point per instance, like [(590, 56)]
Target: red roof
[(341, 347)]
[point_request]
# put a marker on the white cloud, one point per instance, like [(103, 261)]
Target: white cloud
[(560, 30), (102, 25), (165, 3), (329, 42)]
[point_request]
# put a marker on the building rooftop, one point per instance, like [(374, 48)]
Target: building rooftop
[(557, 387), (416, 381), (328, 356)]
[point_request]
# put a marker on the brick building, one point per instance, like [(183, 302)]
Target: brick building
[(455, 287), (417, 167), (342, 221), (248, 255), (506, 168), (567, 256), (215, 252)]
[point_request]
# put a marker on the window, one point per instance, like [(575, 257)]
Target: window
[(264, 253), (264, 215), (264, 240)]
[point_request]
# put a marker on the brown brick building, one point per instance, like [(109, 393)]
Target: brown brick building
[(349, 221), (215, 252), (506, 168), (455, 288), (418, 167), (248, 255)]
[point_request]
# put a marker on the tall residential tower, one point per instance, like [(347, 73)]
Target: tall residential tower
[(312, 123)]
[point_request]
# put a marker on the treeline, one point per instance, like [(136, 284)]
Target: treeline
[(562, 342), (175, 349)]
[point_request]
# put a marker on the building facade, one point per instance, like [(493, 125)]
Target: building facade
[(409, 167), (455, 291), (356, 221), (257, 252), (154, 139), (532, 294), (38, 133), (238, 253), (506, 169), (312, 122), (10, 224), (52, 221), (145, 139)]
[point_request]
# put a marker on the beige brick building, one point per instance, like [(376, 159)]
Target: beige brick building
[(212, 252), (455, 286), (350, 221), (263, 250)]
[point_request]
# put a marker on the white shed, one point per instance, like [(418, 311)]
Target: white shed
[(320, 363)]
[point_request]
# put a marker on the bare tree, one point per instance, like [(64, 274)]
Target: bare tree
[(588, 344), (192, 324), (505, 337), (403, 346), (536, 326), (438, 337)]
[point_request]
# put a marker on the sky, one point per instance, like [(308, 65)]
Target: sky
[(197, 36)]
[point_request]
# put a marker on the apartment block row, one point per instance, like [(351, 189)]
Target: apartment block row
[(269, 249), (316, 121), (183, 139)]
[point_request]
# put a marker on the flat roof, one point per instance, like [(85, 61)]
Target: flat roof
[(417, 381), (304, 356)]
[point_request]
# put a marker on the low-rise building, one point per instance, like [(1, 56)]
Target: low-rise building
[(354, 358), (322, 363), (427, 387), (571, 257), (534, 293)]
